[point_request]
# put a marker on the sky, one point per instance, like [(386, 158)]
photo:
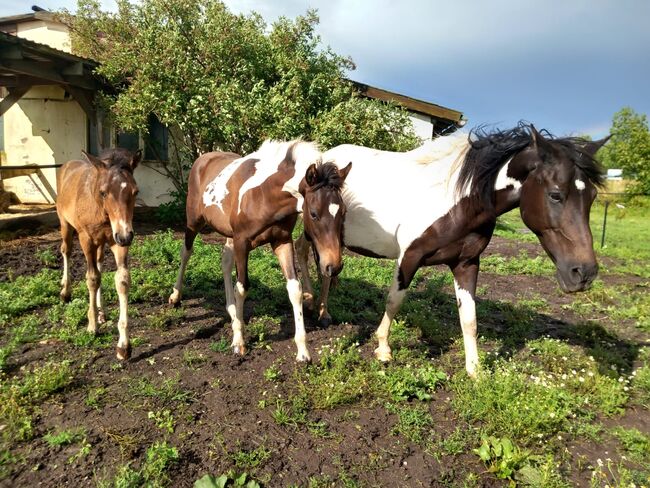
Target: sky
[(564, 65)]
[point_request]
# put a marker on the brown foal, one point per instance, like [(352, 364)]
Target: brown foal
[(96, 198)]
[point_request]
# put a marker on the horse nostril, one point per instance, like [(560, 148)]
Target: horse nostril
[(577, 273)]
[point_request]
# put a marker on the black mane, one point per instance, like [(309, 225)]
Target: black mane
[(117, 157), (328, 176), (488, 152)]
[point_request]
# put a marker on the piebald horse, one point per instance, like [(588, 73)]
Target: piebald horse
[(438, 204), (256, 199), (96, 197)]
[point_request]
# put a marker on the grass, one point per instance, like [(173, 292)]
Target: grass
[(536, 392)]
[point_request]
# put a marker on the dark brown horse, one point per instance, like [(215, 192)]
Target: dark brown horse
[(96, 198), (256, 199), (438, 205)]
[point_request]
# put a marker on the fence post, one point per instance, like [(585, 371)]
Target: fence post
[(602, 238)]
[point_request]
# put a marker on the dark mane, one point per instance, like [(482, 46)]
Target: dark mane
[(328, 176), (117, 157), (488, 151)]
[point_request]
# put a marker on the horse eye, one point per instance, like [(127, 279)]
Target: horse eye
[(555, 196), (102, 194), (313, 215)]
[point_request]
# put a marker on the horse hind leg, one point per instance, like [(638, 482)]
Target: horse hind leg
[(395, 298), (67, 234), (186, 254), (302, 256), (240, 251)]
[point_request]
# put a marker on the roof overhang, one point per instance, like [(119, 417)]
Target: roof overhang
[(25, 63)]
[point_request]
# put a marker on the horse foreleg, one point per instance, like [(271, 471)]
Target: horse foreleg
[(324, 317), (284, 252), (227, 261), (241, 249), (186, 253), (101, 318), (465, 276), (122, 285), (395, 298), (67, 234), (302, 254), (93, 279)]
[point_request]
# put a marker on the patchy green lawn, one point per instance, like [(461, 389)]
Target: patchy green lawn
[(563, 398)]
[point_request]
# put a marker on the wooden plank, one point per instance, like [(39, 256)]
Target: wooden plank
[(15, 93), (411, 103)]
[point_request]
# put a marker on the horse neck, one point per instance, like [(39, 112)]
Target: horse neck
[(507, 187)]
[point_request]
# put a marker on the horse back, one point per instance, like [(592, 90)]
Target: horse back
[(204, 170)]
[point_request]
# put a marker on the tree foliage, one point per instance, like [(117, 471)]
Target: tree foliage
[(223, 81), (629, 148)]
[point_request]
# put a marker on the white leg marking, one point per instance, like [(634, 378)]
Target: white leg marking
[(101, 318), (334, 209), (467, 314), (237, 334), (580, 185), (122, 284), (294, 290), (91, 283), (65, 280), (394, 301)]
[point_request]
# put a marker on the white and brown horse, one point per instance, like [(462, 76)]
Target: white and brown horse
[(438, 204), (96, 198), (256, 199)]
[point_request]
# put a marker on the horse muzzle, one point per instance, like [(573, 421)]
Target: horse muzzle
[(331, 270), (123, 239), (577, 277)]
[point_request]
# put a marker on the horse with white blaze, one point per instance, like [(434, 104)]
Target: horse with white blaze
[(255, 200), (438, 204)]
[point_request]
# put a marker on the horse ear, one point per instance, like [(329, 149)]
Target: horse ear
[(344, 172), (94, 160), (538, 141), (592, 147), (311, 176), (136, 159)]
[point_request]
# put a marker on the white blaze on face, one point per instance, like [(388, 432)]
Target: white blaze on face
[(123, 185), (504, 181), (580, 185), (333, 208)]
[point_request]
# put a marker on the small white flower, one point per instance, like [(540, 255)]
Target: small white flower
[(581, 379)]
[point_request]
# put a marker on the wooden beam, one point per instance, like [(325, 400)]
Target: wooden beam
[(412, 103), (15, 94), (86, 99), (41, 70), (11, 52), (74, 69)]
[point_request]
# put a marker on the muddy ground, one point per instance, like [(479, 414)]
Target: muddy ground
[(221, 416)]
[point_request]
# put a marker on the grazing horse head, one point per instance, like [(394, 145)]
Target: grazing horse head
[(557, 191), (324, 213), (117, 189)]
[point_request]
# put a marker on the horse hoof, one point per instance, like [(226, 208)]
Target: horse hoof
[(101, 318), (65, 297), (238, 349), (92, 330), (303, 358), (325, 321), (123, 353), (383, 355)]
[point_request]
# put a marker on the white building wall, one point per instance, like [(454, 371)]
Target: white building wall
[(422, 125)]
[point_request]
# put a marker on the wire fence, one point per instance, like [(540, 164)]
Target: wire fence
[(612, 212)]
